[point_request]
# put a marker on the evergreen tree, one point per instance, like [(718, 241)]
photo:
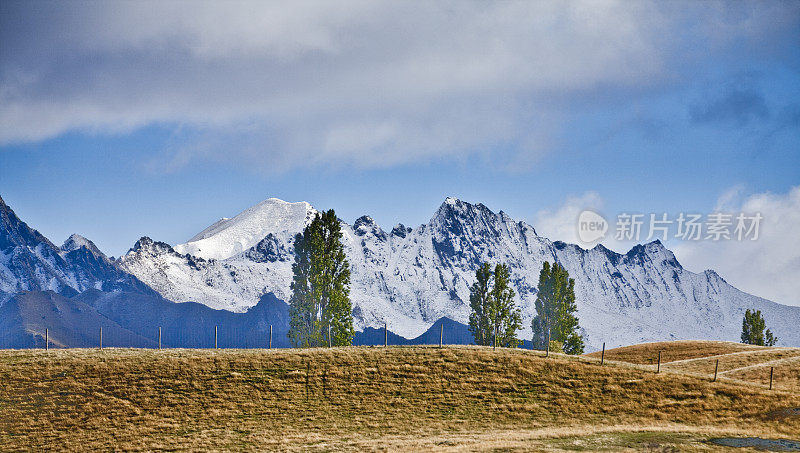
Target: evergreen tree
[(320, 310), (479, 297), (494, 316), (769, 339), (753, 326), (555, 318)]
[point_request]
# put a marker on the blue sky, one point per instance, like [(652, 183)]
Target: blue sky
[(130, 119)]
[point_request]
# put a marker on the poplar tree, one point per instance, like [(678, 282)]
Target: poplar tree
[(320, 310), (503, 314), (479, 296), (494, 316), (555, 318)]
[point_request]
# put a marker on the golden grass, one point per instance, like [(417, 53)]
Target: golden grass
[(365, 398), (786, 373), (647, 353), (737, 362)]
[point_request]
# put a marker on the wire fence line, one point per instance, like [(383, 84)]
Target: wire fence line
[(232, 338)]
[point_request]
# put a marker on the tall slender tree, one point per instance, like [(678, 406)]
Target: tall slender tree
[(479, 296), (503, 314), (320, 311), (555, 318), (494, 316)]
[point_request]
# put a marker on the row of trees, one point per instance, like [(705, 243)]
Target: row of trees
[(495, 319), (321, 313)]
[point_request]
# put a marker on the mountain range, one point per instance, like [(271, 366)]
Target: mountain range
[(236, 273)]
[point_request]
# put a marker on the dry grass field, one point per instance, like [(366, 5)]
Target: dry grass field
[(398, 398), (647, 353), (737, 362)]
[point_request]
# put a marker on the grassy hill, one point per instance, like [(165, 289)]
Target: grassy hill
[(738, 362), (370, 398)]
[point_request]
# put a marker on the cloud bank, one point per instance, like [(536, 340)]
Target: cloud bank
[(767, 267), (364, 83)]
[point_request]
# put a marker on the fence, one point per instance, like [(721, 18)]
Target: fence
[(267, 343)]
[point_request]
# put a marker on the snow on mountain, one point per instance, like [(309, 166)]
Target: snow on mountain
[(234, 284), (76, 241), (409, 278), (228, 237), (30, 262)]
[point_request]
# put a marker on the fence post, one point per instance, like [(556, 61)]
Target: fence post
[(330, 343), (441, 336), (46, 339), (101, 338), (385, 335), (771, 370), (215, 337), (603, 354), (716, 367), (659, 363), (159, 338), (270, 336)]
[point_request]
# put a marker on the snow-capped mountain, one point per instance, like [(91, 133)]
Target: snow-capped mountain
[(410, 277), (30, 262), (228, 237)]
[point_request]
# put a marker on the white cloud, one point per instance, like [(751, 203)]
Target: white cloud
[(769, 266), (356, 83), (562, 224)]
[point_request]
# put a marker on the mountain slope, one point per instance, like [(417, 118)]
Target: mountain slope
[(133, 320), (191, 325), (69, 323), (409, 278), (30, 262)]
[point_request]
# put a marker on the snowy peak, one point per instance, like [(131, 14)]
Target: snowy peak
[(14, 232), (652, 251), (453, 208), (460, 228), (401, 230), (365, 225), (147, 245), (228, 237), (30, 262), (76, 242)]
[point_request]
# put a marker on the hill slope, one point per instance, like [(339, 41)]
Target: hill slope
[(366, 398), (69, 322), (732, 361)]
